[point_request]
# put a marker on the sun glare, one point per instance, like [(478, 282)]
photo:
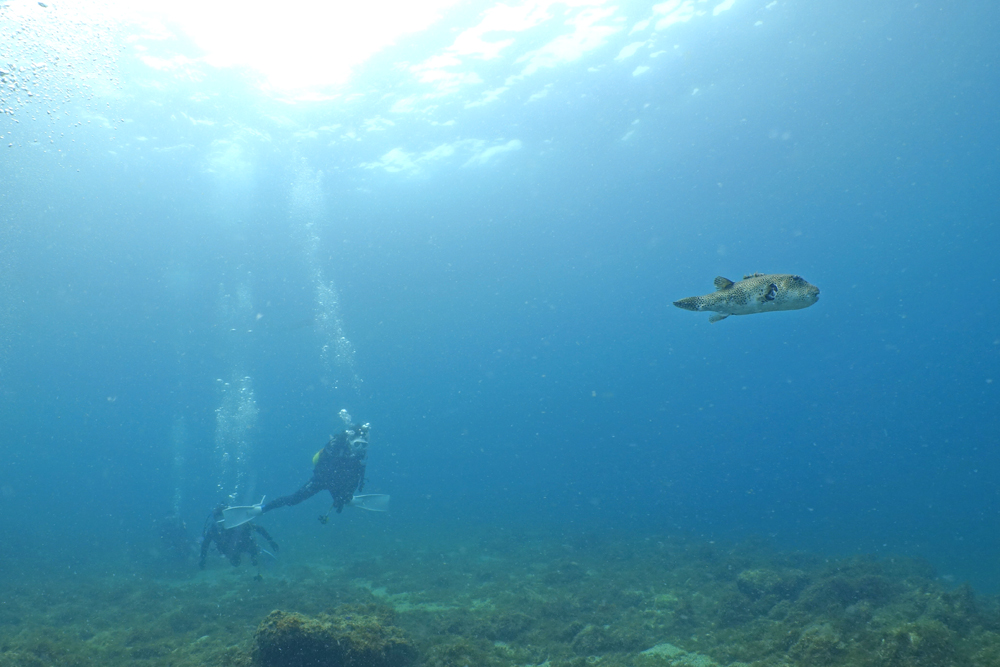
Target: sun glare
[(299, 48)]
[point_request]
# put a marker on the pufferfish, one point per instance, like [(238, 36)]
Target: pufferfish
[(756, 293)]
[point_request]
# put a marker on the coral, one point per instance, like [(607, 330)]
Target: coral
[(345, 639)]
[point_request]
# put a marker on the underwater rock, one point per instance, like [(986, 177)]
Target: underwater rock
[(505, 625), (677, 657), (597, 640), (989, 654), (957, 609), (346, 639), (593, 640), (454, 650), (818, 645), (840, 591), (733, 609), (758, 593), (922, 643), (759, 583)]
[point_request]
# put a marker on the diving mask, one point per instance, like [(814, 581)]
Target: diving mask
[(357, 438)]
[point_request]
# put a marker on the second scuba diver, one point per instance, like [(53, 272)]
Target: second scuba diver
[(232, 542)]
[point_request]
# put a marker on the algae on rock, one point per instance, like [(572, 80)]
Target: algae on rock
[(349, 638)]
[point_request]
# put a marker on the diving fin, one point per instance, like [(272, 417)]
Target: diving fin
[(373, 502), (237, 516)]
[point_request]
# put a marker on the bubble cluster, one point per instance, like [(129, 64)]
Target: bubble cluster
[(236, 416), (235, 420), (336, 350), (178, 440), (58, 66)]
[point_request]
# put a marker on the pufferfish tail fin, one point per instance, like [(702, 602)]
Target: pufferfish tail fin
[(723, 283)]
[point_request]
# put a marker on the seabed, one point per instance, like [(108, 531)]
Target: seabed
[(515, 600)]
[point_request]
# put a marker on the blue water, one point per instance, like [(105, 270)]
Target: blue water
[(177, 251)]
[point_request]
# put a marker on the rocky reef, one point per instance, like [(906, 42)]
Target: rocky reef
[(512, 600), (352, 636)]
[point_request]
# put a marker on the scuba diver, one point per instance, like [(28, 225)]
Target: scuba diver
[(338, 468), (232, 542)]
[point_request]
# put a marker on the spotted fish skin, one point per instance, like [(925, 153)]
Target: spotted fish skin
[(756, 293)]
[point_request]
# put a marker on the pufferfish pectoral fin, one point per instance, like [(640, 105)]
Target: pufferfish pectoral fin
[(723, 283), (718, 317)]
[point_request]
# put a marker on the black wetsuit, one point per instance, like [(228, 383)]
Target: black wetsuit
[(340, 469), (234, 542)]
